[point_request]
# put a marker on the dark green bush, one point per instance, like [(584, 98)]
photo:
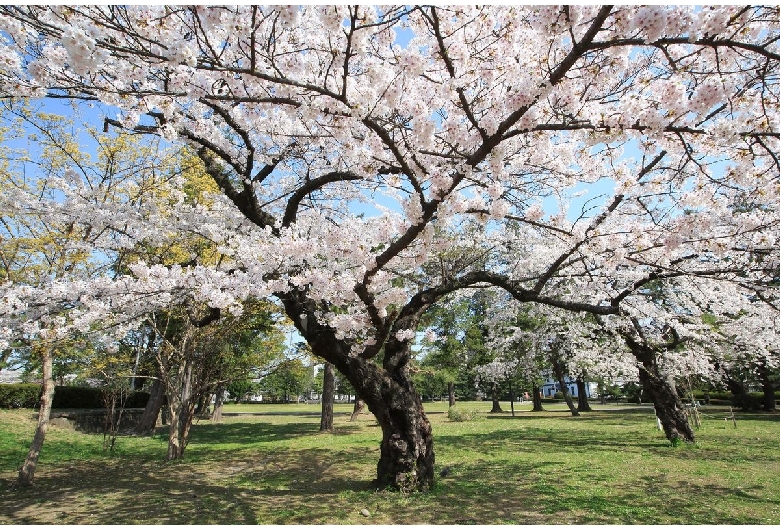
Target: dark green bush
[(77, 397), (748, 402), (632, 392), (137, 400), (80, 397), (716, 396), (28, 395), (20, 395)]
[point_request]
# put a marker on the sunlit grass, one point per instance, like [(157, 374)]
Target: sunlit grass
[(270, 465)]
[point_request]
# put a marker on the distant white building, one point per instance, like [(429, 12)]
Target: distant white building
[(551, 386)]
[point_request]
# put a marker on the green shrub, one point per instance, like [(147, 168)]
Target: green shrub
[(84, 397), (456, 414), (20, 395), (632, 392), (748, 402), (137, 400), (28, 395), (77, 397), (715, 397)]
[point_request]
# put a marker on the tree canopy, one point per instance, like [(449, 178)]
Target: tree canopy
[(354, 146)]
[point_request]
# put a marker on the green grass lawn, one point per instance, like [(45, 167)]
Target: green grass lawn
[(611, 466)]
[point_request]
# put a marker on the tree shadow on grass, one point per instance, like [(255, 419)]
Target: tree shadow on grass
[(266, 488), (309, 414), (540, 439), (257, 432), (249, 432)]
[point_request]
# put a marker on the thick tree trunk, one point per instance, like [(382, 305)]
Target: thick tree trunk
[(357, 409), (148, 421), (582, 397), (668, 405), (737, 390), (770, 402), (219, 401), (537, 399), (559, 374), (451, 393), (27, 472), (494, 394), (328, 389), (406, 460), (406, 452), (768, 387)]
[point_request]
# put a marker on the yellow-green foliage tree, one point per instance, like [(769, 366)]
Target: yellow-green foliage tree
[(38, 248)]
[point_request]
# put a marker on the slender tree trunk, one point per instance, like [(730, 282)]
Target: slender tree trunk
[(582, 397), (180, 409), (219, 401), (668, 405), (559, 374), (511, 398), (27, 472), (537, 399), (328, 389), (201, 403), (494, 393), (148, 421), (174, 431), (451, 392), (358, 408)]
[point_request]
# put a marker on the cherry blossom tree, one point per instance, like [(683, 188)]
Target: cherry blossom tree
[(38, 249), (308, 117), (493, 374), (744, 343)]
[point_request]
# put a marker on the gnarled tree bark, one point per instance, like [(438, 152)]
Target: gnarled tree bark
[(668, 405), (357, 410), (406, 459)]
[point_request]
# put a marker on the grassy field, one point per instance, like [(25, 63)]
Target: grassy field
[(610, 466)]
